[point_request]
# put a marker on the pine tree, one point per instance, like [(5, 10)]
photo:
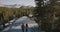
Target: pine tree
[(39, 13)]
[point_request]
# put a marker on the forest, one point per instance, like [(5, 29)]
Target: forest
[(7, 14), (46, 15)]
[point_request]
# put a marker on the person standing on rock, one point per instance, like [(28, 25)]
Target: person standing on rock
[(26, 27), (22, 26)]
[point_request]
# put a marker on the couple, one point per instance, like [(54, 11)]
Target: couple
[(24, 27)]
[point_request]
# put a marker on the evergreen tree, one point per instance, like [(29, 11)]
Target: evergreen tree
[(45, 15)]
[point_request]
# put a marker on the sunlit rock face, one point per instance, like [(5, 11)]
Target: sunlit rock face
[(16, 25)]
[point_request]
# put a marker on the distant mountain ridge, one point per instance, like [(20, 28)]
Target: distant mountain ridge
[(10, 6), (14, 6)]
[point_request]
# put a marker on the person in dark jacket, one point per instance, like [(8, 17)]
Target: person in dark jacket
[(22, 26), (26, 27)]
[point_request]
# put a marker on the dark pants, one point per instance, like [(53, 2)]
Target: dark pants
[(26, 29), (22, 30)]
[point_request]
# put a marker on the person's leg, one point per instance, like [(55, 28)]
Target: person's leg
[(22, 30), (26, 29)]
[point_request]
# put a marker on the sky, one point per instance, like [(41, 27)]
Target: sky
[(22, 2)]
